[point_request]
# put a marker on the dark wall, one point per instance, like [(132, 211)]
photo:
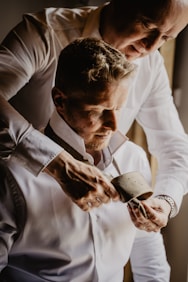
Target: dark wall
[(181, 75)]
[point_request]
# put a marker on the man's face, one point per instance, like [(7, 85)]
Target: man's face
[(142, 38), (96, 122)]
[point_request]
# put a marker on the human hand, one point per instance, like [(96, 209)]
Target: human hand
[(83, 183), (157, 211)]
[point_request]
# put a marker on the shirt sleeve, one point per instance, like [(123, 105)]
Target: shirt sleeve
[(166, 138), (148, 258), (18, 62), (20, 140)]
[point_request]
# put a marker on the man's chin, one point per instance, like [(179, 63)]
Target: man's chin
[(98, 146), (131, 58)]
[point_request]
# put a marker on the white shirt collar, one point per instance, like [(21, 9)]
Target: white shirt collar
[(65, 132)]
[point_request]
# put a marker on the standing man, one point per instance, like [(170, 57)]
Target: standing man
[(44, 236)]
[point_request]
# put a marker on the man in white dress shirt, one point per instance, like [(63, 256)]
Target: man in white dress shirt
[(44, 235)]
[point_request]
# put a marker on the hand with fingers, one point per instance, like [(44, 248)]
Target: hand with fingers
[(156, 214), (83, 183)]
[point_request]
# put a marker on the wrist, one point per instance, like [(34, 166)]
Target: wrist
[(170, 201), (56, 168)]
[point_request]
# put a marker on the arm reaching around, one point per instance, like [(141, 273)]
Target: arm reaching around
[(37, 153)]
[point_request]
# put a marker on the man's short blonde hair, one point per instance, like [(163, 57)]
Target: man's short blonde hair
[(89, 65)]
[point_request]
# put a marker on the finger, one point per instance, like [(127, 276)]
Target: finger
[(138, 215), (96, 202), (140, 221), (108, 189), (153, 228), (112, 194), (97, 198), (135, 203), (84, 204), (147, 226), (83, 207), (132, 215), (89, 202), (156, 217), (103, 191)]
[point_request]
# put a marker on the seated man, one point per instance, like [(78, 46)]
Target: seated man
[(44, 235)]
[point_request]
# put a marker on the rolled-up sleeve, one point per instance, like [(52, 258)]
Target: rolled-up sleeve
[(20, 140)]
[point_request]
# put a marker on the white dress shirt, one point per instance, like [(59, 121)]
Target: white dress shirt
[(28, 58), (52, 239)]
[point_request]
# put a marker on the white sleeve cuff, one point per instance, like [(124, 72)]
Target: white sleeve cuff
[(36, 151)]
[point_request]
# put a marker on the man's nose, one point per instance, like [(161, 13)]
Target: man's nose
[(110, 119)]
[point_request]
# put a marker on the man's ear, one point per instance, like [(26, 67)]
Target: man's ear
[(58, 97)]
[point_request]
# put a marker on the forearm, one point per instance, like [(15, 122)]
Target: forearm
[(168, 142), (172, 172), (21, 141), (166, 138)]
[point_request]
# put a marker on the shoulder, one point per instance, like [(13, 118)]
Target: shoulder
[(132, 147), (131, 154), (57, 17), (149, 69), (152, 61), (149, 62)]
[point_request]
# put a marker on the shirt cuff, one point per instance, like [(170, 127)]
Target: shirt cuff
[(173, 189), (36, 151)]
